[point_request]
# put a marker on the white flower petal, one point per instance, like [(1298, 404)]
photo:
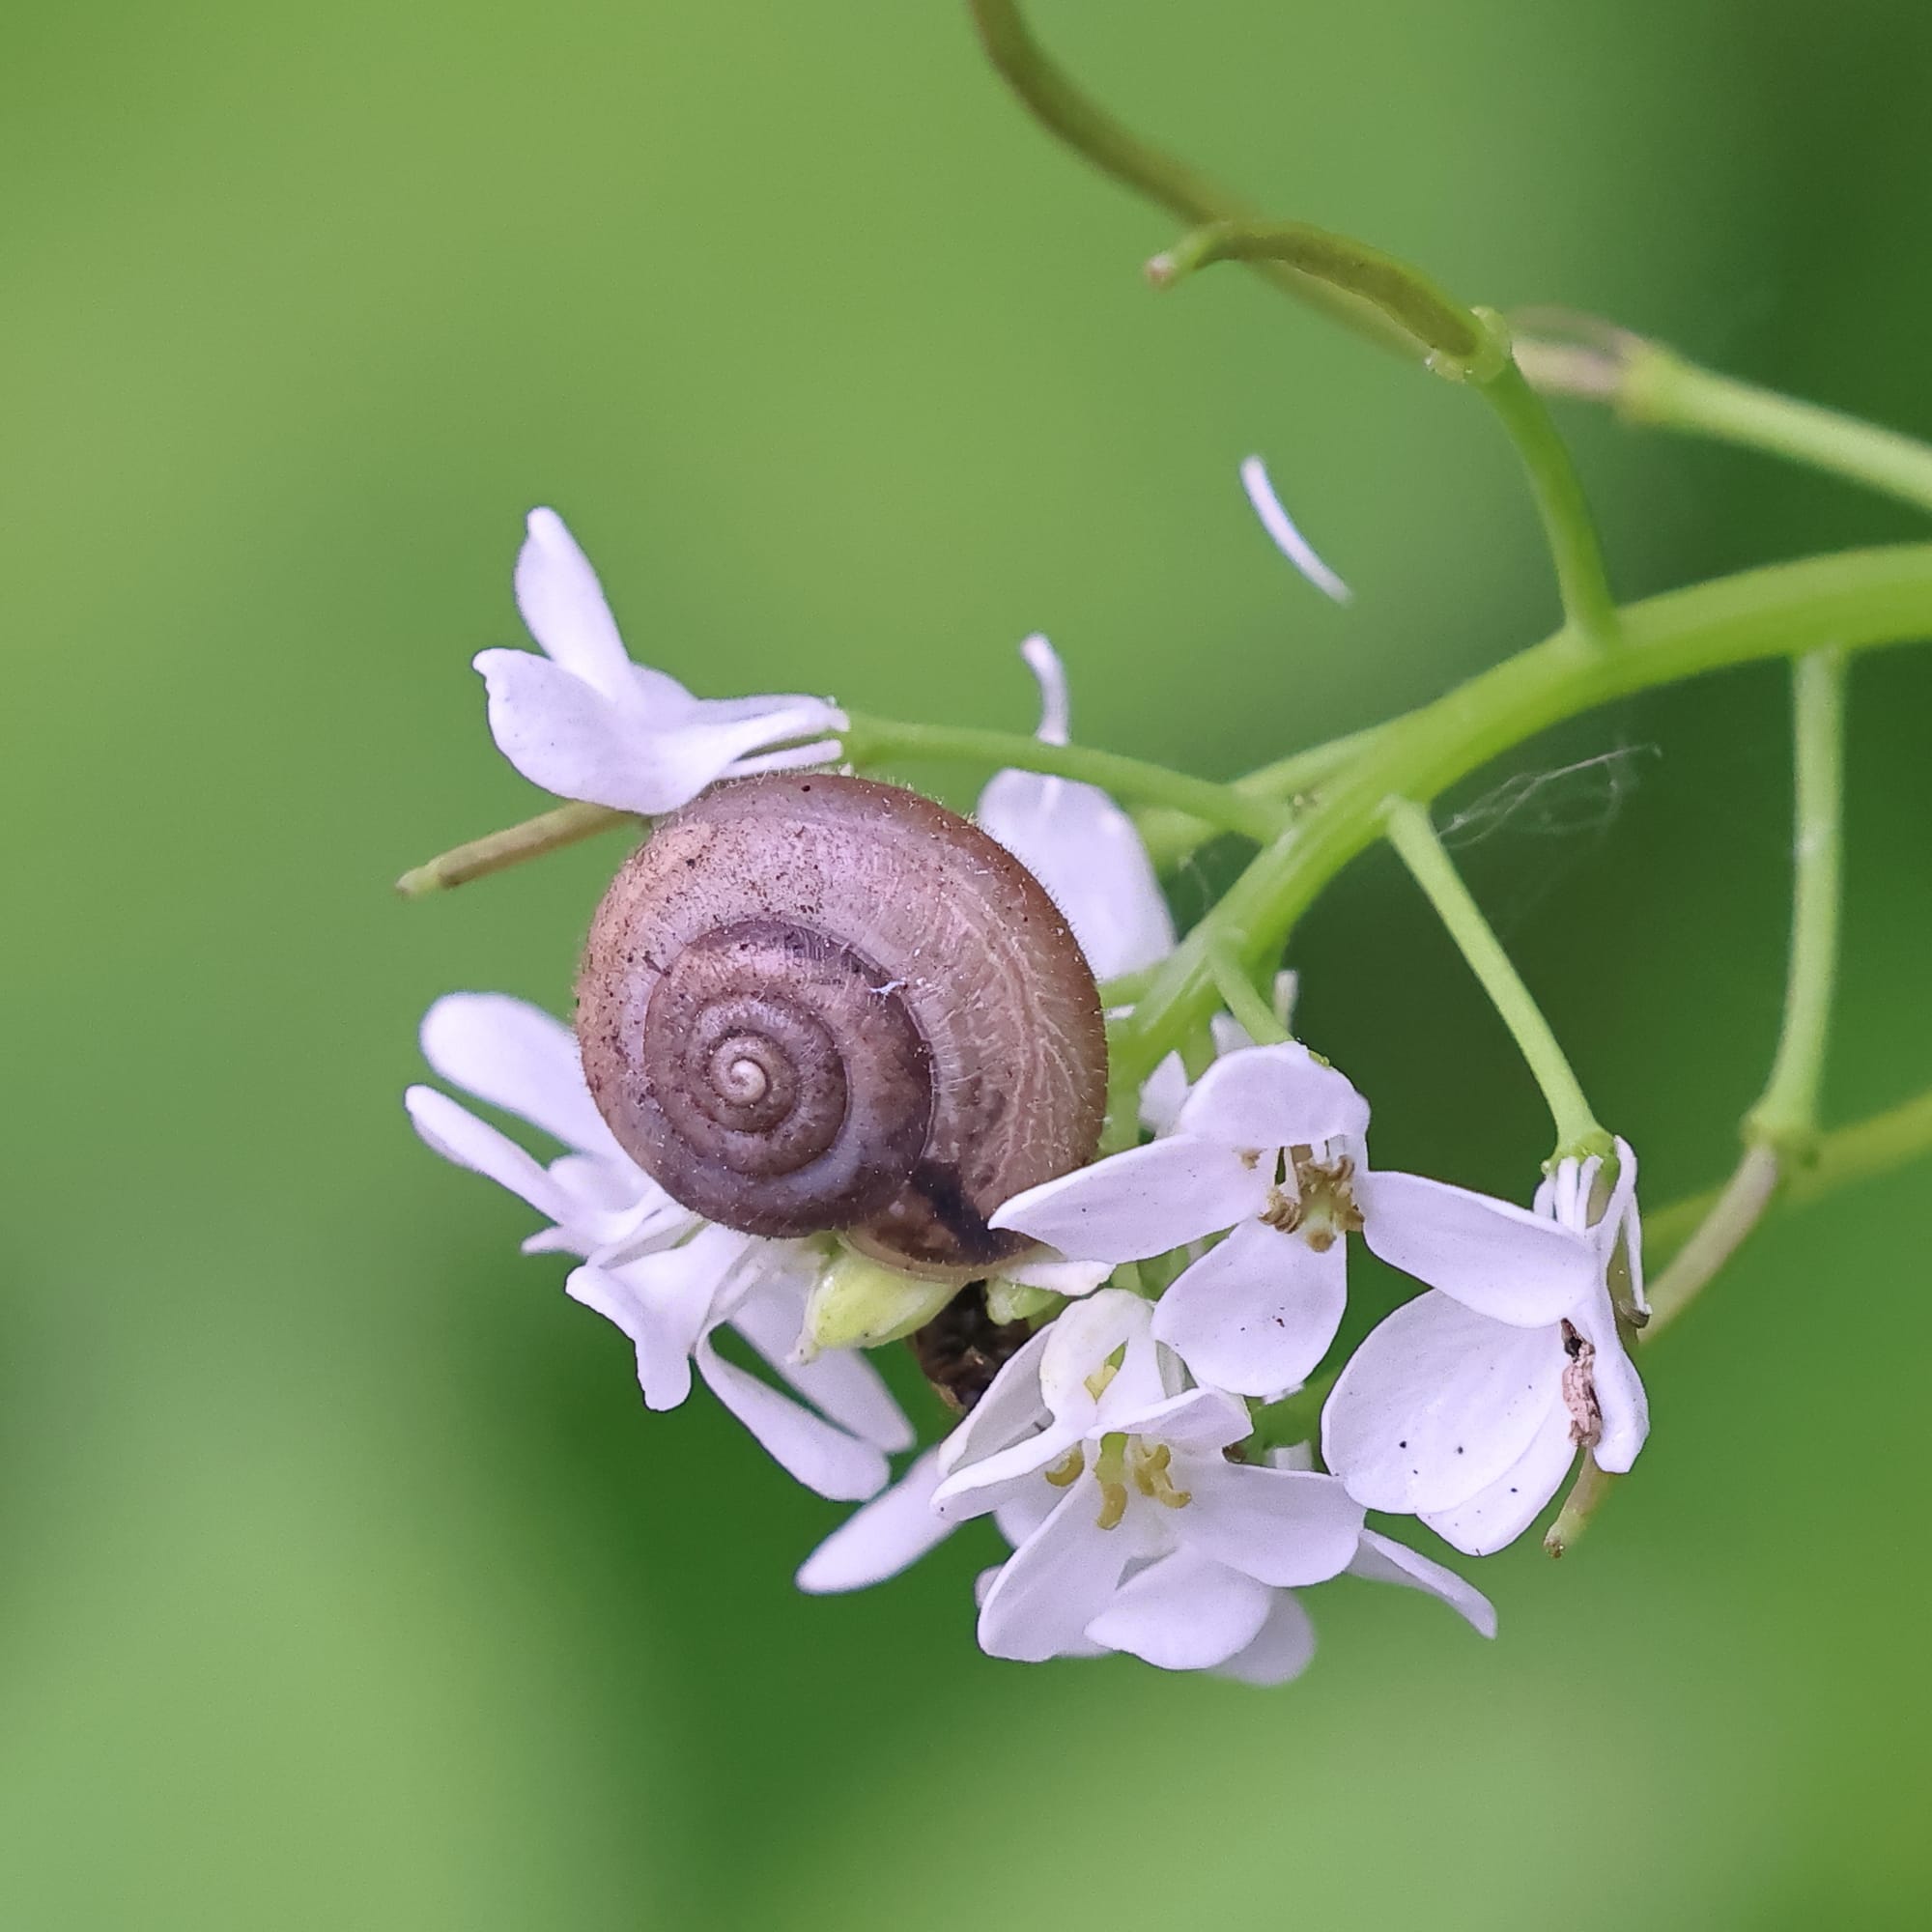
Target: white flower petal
[(1079, 1342), (1011, 1407), (1183, 1612), (1280, 1526), (840, 1382), (563, 734), (803, 1444), (1289, 540), (1273, 1096), (1497, 1513), (1162, 1094), (458, 1136), (1057, 1276), (1140, 1203), (1383, 1560), (1199, 1419), (1258, 1313), (517, 1057), (1281, 1652), (891, 1533), (1437, 1403), (1496, 1258), (563, 604), (1084, 849), (1621, 1399), (1056, 1583), (664, 1303)]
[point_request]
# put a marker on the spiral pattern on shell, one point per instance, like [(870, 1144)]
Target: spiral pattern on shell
[(813, 1003)]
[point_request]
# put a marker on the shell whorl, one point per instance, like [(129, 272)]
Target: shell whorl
[(813, 1003)]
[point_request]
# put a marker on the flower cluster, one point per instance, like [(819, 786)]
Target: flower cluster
[(1143, 1446)]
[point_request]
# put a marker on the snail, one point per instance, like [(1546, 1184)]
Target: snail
[(813, 1003)]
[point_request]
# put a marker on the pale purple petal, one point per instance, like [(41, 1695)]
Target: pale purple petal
[(1496, 1258), (1498, 1512), (806, 1446), (1258, 1313), (563, 604), (1079, 1342), (1279, 1526), (1141, 1202), (1057, 1276), (517, 1057), (1383, 1560), (1273, 1096), (891, 1533), (1162, 1094), (1281, 1652), (1437, 1403), (1183, 1612), (1289, 540), (1056, 1583)]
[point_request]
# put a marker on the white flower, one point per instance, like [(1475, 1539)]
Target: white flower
[(1132, 1529), (515, 1056), (893, 1530), (673, 1302), (667, 1278), (1079, 844), (584, 721), (1468, 1411), (1270, 1143)]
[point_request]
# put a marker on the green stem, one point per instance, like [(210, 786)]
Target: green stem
[(1046, 91), (1649, 385), (1740, 1206), (1434, 321), (1464, 344), (1170, 835), (1414, 839), (497, 851), (1568, 527), (872, 741), (1786, 1117), (1858, 600), (1864, 1151), (1243, 999)]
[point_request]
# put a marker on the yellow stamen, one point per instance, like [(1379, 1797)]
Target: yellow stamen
[(1066, 1472), (1111, 1470)]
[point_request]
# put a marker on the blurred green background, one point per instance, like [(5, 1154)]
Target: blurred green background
[(344, 1581)]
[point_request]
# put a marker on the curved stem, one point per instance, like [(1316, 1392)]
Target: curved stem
[(1864, 1151), (1740, 1205), (1858, 600), (1415, 843), (1786, 1117), (1045, 90), (871, 741), (1567, 527)]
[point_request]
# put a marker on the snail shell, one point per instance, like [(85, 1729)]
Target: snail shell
[(813, 1003)]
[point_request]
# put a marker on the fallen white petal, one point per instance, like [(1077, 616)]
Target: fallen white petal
[(1289, 540)]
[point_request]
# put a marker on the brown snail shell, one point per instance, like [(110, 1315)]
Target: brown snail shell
[(813, 1003)]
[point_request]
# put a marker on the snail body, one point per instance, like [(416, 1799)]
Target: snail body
[(811, 1002)]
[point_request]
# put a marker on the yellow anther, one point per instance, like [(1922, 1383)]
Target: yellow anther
[(1066, 1471), (1152, 1477), (1110, 1468)]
